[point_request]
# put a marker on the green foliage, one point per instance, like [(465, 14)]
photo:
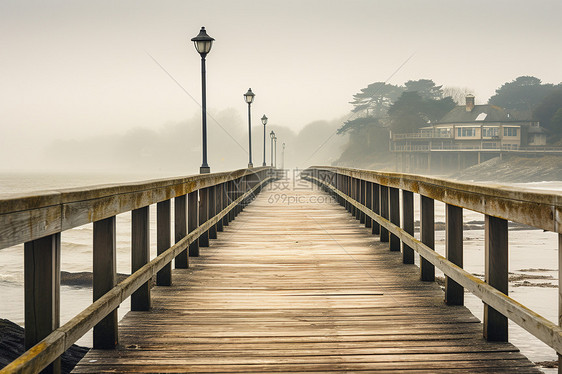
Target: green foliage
[(426, 88), (359, 124), (412, 111), (522, 94), (549, 112), (375, 99)]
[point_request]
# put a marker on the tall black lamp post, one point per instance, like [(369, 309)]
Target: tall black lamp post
[(249, 97), (272, 135), (203, 44), (264, 121)]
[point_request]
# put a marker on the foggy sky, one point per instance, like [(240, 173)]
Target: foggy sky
[(77, 72)]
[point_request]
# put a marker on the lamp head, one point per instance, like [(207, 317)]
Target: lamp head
[(249, 96), (264, 120), (203, 42)]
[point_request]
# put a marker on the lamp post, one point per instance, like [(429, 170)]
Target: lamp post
[(264, 121), (275, 159), (249, 97), (203, 44), (272, 135), (283, 157)]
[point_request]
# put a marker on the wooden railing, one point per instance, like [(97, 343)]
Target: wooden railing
[(203, 205), (374, 198)]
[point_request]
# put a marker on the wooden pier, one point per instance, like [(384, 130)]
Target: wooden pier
[(297, 284), (272, 275)]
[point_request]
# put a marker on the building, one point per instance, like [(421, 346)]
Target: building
[(472, 133)]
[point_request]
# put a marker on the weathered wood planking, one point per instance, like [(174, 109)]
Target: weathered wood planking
[(301, 288)]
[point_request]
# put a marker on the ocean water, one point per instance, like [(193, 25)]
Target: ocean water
[(533, 256)]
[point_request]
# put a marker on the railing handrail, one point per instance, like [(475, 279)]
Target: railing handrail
[(540, 209), (29, 216)]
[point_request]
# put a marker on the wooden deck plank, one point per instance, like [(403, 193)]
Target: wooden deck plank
[(301, 288)]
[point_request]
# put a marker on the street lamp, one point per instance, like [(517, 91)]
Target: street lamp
[(283, 157), (275, 159), (249, 97), (272, 135), (264, 121), (203, 44)]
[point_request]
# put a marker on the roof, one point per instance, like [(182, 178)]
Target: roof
[(480, 113)]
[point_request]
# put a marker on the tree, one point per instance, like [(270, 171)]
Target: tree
[(426, 88), (411, 111), (522, 94), (375, 99), (547, 109)]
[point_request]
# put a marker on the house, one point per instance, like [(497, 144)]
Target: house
[(472, 132), (470, 126)]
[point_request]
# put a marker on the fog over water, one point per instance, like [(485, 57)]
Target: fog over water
[(80, 88)]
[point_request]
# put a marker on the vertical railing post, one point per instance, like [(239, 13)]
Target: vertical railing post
[(496, 275), (407, 224), (454, 292), (384, 237), (140, 255), (163, 240), (376, 229), (204, 215), (225, 203), (212, 211), (394, 216), (358, 198), (348, 192), (219, 207), (180, 229), (193, 220), (42, 291), (231, 198), (427, 235), (368, 202), (362, 199), (104, 279)]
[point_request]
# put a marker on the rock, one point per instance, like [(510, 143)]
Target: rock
[(82, 279), (12, 346)]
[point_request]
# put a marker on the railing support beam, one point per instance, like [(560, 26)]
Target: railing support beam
[(384, 234), (407, 224), (394, 202), (193, 220), (104, 279), (204, 215), (454, 292), (140, 255), (42, 291), (427, 234), (496, 275), (163, 240), (180, 229)]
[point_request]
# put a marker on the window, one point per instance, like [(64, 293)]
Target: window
[(489, 132), (509, 131), (466, 131)]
